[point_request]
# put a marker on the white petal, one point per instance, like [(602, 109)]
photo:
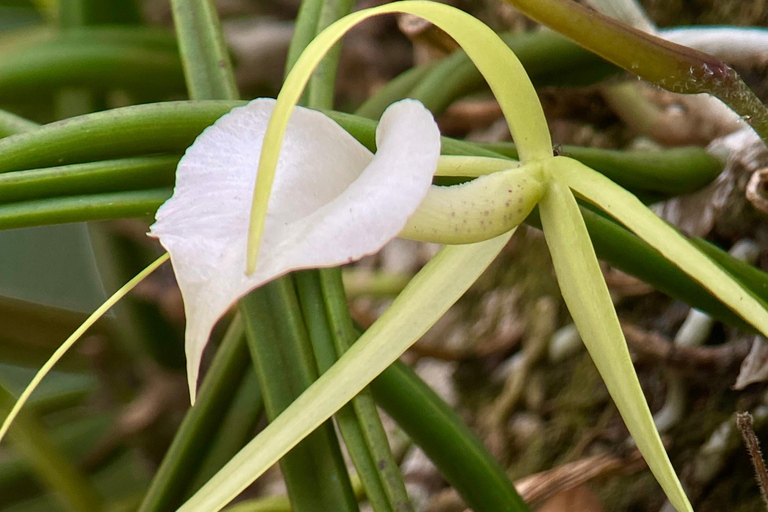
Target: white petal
[(332, 202)]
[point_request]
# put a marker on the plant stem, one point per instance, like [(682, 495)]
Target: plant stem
[(201, 423), (11, 124), (668, 65), (89, 178), (96, 63), (286, 367), (344, 335), (675, 171), (236, 429), (207, 67), (321, 86), (548, 58), (62, 210), (445, 438), (350, 427)]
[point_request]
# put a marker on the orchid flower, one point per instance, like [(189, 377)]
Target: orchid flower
[(315, 217)]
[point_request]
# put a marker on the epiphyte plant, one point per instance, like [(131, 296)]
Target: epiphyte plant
[(551, 181), (538, 178)]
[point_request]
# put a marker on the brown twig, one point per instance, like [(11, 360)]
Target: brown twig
[(744, 422), (543, 485)]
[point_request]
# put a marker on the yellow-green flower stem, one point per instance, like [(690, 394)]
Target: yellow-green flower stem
[(40, 375), (472, 166), (478, 210), (501, 69)]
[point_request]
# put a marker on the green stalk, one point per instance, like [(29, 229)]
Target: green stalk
[(322, 85), (74, 13), (207, 67), (91, 12), (314, 470), (395, 90), (668, 65), (148, 38), (45, 68), (236, 429), (548, 58), (66, 481), (445, 438), (90, 178), (376, 442), (11, 124), (201, 423), (62, 210), (305, 30), (351, 429), (168, 127), (314, 16)]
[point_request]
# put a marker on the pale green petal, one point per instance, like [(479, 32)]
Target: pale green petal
[(586, 294), (627, 209), (426, 298)]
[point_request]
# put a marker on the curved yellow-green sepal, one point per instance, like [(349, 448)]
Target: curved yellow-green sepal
[(627, 209), (498, 64), (590, 305), (59, 353), (426, 298)]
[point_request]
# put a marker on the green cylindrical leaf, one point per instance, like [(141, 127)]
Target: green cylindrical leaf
[(190, 445)]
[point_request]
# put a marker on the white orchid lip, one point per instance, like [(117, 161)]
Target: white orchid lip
[(332, 202)]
